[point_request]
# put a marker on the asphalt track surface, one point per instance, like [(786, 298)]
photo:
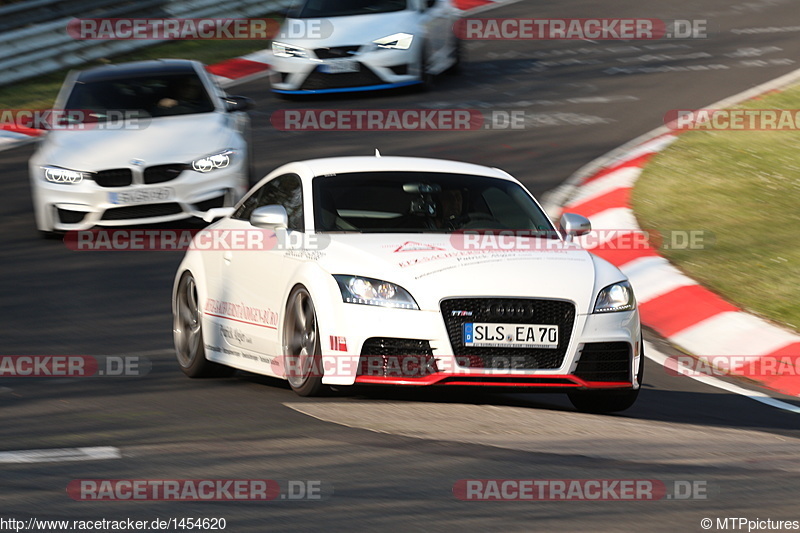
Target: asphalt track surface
[(388, 460)]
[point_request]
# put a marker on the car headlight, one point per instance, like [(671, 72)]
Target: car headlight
[(370, 291), (287, 50), (397, 41), (616, 297), (64, 176), (214, 161)]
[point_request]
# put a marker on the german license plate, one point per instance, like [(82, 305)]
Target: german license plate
[(141, 196), (340, 66), (492, 335)]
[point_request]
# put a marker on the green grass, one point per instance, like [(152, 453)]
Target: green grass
[(40, 92), (744, 188)]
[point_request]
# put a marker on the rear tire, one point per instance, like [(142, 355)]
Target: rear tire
[(187, 331), (302, 347)]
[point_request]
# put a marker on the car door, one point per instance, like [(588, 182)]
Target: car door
[(254, 273)]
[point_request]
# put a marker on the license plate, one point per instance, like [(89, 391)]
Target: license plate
[(492, 335), (141, 196), (340, 66)]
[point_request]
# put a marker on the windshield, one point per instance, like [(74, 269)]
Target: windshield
[(410, 202), (342, 8), (154, 95)]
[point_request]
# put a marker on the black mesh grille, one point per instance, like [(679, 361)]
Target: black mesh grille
[(162, 173), (205, 205), (336, 52), (142, 211), (319, 80), (510, 311), (390, 357), (70, 217), (605, 361), (118, 177)]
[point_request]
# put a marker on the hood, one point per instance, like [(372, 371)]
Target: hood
[(358, 29), (163, 140), (432, 267)]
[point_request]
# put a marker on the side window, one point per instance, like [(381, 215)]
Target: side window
[(286, 190)]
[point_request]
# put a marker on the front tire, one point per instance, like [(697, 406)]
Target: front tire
[(187, 331), (600, 402), (302, 349)]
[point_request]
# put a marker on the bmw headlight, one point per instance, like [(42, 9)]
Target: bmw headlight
[(616, 297), (64, 176), (214, 161), (287, 50), (370, 291), (397, 41)]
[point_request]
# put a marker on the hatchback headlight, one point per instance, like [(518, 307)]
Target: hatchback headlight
[(397, 41), (370, 291), (616, 297), (287, 50)]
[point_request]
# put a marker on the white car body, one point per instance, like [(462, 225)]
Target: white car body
[(342, 53), (234, 286), (176, 141)]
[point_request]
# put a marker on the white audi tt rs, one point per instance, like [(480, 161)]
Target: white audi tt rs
[(331, 46), (144, 142), (405, 271)]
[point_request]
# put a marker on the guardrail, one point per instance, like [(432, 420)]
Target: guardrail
[(46, 47)]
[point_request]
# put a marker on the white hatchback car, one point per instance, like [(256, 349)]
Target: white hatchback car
[(144, 142), (408, 272), (330, 46)]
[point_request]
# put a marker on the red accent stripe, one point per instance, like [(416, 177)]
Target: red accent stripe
[(676, 310), (21, 129), (616, 198), (237, 68), (465, 5), (242, 321), (635, 162), (434, 379)]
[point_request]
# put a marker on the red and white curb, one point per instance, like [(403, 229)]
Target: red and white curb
[(688, 315)]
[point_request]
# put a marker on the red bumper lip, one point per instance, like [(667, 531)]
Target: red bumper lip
[(495, 380)]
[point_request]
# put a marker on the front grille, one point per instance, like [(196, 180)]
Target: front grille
[(142, 211), (605, 361), (118, 177), (336, 52), (70, 217), (320, 80), (205, 205), (508, 311), (162, 173), (391, 357)]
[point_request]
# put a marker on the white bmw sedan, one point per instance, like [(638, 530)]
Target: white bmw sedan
[(408, 272), (330, 46), (144, 142)]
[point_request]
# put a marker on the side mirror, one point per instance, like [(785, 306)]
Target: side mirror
[(217, 212), (574, 225), (238, 103), (270, 217)]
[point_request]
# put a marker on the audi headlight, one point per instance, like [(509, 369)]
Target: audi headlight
[(64, 176), (287, 50), (370, 291), (214, 161), (616, 297), (397, 41)]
